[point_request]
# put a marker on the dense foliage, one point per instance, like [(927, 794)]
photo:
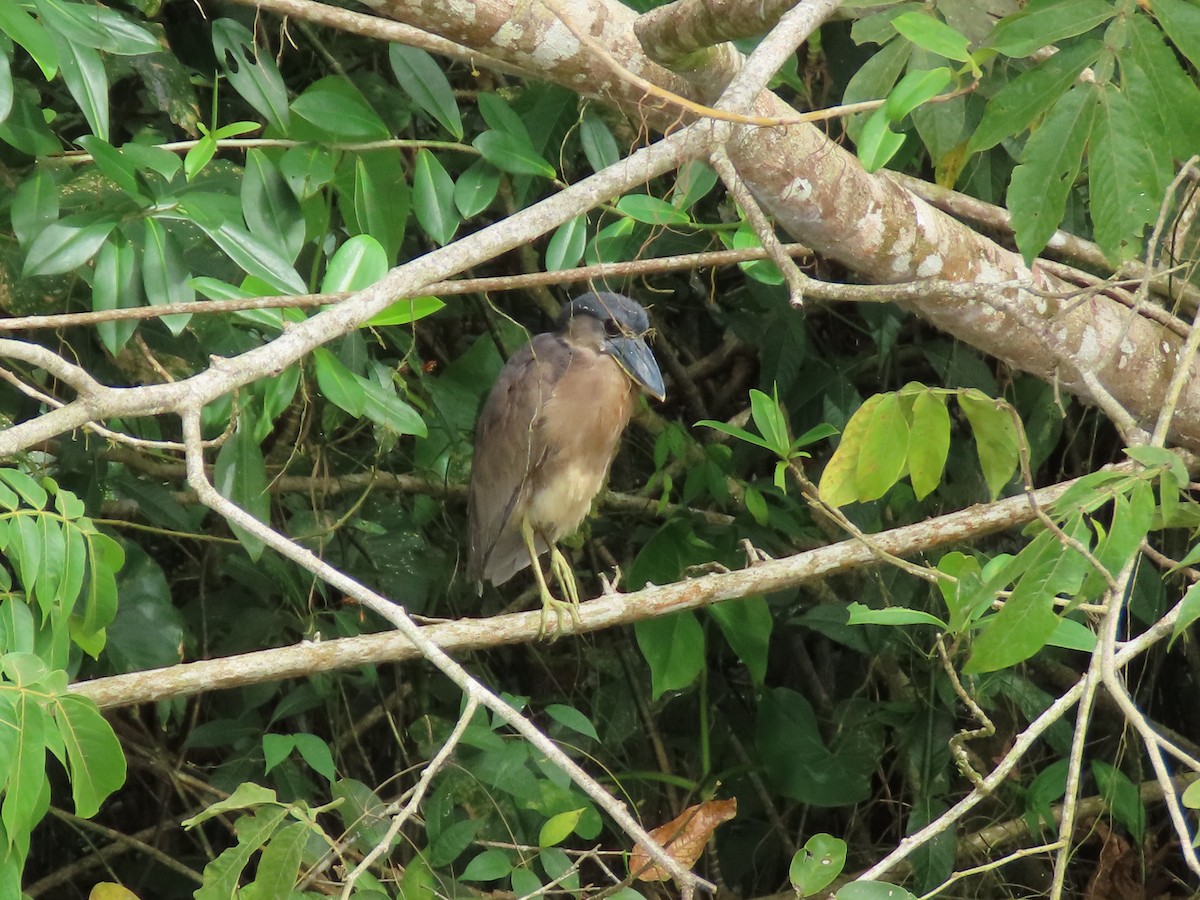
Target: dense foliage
[(206, 152)]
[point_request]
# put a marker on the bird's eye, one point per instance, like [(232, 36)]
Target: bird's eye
[(611, 328)]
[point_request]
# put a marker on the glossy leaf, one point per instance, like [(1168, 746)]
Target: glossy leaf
[(433, 198), (30, 34), (335, 106), (566, 245), (255, 256), (558, 828), (423, 80), (404, 312), (747, 624), (163, 273), (599, 145), (573, 719), (116, 285), (84, 74), (271, 209), (385, 408), (817, 864), (651, 210), (476, 188), (337, 383), (358, 263), (254, 75), (93, 26), (933, 35), (490, 865), (315, 752), (279, 865), (66, 245), (896, 615), (513, 154), (34, 205)]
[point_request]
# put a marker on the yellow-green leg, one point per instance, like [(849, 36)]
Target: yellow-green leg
[(566, 580)]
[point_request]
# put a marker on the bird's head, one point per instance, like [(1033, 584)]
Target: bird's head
[(625, 327)]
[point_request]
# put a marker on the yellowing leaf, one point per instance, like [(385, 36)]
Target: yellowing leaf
[(107, 890)]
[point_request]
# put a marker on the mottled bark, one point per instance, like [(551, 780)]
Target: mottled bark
[(822, 196)]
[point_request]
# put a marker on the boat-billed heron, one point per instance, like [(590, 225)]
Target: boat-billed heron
[(547, 435)]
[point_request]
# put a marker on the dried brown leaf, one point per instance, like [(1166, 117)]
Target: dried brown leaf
[(683, 837)]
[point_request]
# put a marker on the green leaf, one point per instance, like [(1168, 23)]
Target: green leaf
[(358, 263), (240, 475), (383, 407), (599, 145), (163, 273), (271, 209), (253, 75), (221, 876), (244, 796), (1181, 21), (877, 143), (476, 188), (116, 285), (1189, 612), (315, 752), (733, 431), (693, 183), (66, 245), (573, 719), (31, 492), (1121, 176), (747, 624), (771, 421), (84, 74), (91, 25), (1071, 635), (884, 451), (933, 35), (423, 80), (32, 35), (566, 244), (404, 312), (23, 727), (817, 864), (1042, 24), (513, 154), (7, 88), (1020, 102), (558, 828), (1028, 619), (489, 865), (1172, 98), (452, 841), (337, 383), (1122, 798), (873, 80), (276, 748), (26, 545), (915, 88), (114, 164), (255, 257), (995, 437), (34, 205), (433, 198), (652, 210), (279, 864), (1037, 194), (928, 443), (334, 105), (500, 116), (612, 243), (96, 763), (673, 645), (873, 890), (896, 615)]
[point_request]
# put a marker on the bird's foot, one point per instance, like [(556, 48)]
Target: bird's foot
[(754, 555), (565, 577), (609, 586)]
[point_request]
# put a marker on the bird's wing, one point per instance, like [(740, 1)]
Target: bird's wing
[(509, 446)]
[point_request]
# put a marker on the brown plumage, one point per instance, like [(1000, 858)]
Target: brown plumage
[(548, 433)]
